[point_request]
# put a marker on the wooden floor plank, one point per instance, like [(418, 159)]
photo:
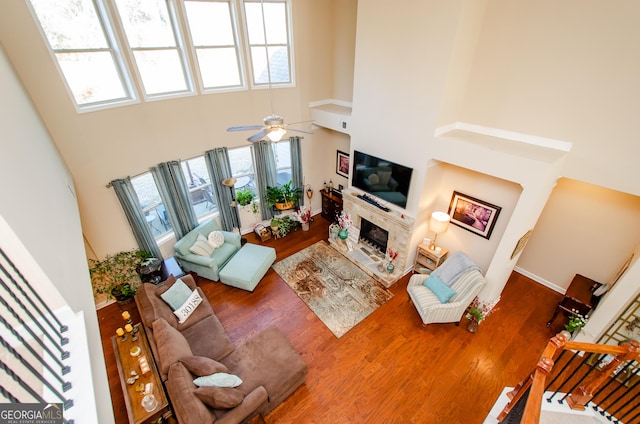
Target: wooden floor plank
[(388, 368)]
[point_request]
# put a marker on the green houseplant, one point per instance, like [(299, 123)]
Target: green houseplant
[(244, 196), (283, 197), (116, 274), (284, 225)]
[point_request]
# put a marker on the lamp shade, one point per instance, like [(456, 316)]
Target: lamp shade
[(229, 182), (439, 222), (276, 134)]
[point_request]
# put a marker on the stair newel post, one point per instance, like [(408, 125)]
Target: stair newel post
[(583, 394), (543, 367)]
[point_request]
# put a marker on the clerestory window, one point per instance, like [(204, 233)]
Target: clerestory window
[(87, 38), (154, 40), (214, 41), (269, 43), (85, 50)]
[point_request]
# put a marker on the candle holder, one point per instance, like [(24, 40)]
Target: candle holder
[(120, 333)]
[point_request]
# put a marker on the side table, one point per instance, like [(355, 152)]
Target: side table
[(170, 266), (427, 260), (578, 299), (132, 393)]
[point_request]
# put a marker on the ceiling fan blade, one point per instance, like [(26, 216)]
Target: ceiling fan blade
[(245, 128), (300, 131), (258, 136)]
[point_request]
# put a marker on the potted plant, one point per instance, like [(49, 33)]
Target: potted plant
[(283, 197), (283, 226), (116, 275), (303, 216), (575, 324), (244, 196), (477, 311)]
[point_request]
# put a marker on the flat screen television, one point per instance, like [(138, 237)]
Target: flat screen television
[(381, 178)]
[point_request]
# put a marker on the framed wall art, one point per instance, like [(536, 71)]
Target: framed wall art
[(473, 214), (342, 164)]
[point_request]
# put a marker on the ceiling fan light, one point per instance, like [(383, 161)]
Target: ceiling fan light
[(276, 134)]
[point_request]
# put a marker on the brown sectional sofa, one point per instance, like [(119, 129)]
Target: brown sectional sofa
[(270, 368)]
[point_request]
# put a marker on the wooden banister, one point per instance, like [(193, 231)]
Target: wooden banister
[(584, 393), (536, 381)]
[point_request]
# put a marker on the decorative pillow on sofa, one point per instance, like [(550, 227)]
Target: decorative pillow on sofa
[(186, 309), (202, 247), (219, 379), (219, 397), (177, 294), (215, 239), (201, 365), (172, 346), (443, 292)]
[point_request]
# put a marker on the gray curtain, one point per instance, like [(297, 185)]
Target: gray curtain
[(132, 210), (219, 168), (175, 195), (297, 176), (265, 163)]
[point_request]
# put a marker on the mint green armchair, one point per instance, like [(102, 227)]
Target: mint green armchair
[(207, 267)]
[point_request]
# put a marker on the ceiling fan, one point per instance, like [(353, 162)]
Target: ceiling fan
[(273, 128), (273, 125)]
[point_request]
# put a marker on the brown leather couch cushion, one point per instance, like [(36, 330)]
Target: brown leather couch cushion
[(173, 345), (201, 366)]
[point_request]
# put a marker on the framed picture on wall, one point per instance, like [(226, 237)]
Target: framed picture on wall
[(342, 164), (473, 214)]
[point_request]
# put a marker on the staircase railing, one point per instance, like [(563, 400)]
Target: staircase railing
[(582, 371)]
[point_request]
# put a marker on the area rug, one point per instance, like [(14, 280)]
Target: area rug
[(336, 290)]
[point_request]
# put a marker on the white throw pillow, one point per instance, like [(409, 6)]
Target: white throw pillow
[(187, 308), (202, 247), (219, 379), (215, 239)]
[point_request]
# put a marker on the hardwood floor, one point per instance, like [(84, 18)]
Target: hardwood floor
[(388, 369)]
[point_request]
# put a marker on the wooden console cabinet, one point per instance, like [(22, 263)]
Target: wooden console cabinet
[(132, 396), (331, 206), (427, 260)]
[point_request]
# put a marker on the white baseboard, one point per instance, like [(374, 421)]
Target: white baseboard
[(540, 280)]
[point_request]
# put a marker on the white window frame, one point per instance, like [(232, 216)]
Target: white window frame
[(180, 48), (282, 168), (247, 47), (153, 208), (253, 166), (127, 68), (114, 47), (240, 53), (210, 214)]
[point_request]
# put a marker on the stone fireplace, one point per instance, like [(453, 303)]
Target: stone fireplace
[(372, 235), (372, 222)]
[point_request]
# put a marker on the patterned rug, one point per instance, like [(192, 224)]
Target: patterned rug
[(336, 290)]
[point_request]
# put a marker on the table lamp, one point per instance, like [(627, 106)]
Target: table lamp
[(438, 224)]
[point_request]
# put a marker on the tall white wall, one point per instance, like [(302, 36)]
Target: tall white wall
[(563, 70), (39, 205)]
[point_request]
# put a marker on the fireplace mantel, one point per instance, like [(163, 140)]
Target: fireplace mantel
[(396, 223)]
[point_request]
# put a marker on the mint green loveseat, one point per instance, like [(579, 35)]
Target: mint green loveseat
[(207, 267)]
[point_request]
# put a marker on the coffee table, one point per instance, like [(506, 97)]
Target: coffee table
[(132, 396)]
